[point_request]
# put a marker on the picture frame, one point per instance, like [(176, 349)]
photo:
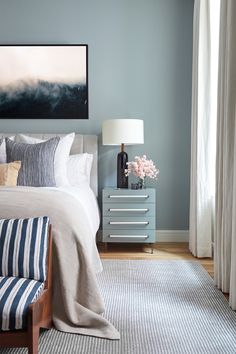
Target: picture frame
[(44, 81)]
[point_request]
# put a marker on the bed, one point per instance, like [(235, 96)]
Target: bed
[(74, 214)]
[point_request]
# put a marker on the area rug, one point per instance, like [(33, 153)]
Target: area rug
[(158, 307)]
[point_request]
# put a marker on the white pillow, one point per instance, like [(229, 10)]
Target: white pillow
[(61, 155), (79, 169), (3, 154)]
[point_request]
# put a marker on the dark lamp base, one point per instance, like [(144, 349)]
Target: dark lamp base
[(122, 180)]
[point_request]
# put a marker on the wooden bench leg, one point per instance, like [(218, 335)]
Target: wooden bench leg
[(33, 327), (33, 340)]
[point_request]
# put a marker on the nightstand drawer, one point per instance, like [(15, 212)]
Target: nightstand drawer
[(129, 215), (137, 236), (128, 195), (125, 222), (128, 209)]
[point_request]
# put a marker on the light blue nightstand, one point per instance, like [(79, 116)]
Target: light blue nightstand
[(129, 215)]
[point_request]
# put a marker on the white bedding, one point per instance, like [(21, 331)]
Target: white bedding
[(86, 198)]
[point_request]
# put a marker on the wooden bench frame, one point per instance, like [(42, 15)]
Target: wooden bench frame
[(39, 316)]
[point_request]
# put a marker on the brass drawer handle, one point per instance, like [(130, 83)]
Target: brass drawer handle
[(129, 236), (128, 222), (133, 210)]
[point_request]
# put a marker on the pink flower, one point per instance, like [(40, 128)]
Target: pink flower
[(142, 168)]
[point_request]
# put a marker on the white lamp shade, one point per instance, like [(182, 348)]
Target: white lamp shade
[(122, 131)]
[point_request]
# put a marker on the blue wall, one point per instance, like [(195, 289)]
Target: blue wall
[(139, 67)]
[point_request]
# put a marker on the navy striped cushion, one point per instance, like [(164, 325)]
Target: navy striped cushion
[(16, 294), (23, 248)]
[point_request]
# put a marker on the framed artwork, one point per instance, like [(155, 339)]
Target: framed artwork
[(44, 81)]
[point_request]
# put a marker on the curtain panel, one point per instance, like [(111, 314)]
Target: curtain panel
[(203, 127), (225, 232)]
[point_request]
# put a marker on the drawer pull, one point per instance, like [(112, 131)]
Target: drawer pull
[(134, 210), (129, 196), (128, 222), (129, 236)]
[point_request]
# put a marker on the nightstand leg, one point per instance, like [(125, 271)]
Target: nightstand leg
[(147, 246), (151, 245)]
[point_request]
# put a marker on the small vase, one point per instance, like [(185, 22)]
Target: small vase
[(141, 183)]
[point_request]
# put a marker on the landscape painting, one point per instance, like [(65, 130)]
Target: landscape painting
[(44, 81)]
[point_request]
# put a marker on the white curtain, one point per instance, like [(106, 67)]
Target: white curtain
[(203, 129), (225, 233)]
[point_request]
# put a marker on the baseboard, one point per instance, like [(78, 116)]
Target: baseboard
[(164, 235), (172, 235)]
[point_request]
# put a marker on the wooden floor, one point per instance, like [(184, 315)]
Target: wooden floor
[(160, 251)]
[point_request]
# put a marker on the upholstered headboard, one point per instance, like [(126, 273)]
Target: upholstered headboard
[(82, 143)]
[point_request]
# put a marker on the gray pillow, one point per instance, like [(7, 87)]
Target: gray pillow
[(37, 162)]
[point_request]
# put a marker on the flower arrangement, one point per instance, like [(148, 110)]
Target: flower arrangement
[(142, 168)]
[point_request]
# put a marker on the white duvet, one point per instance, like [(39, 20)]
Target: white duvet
[(88, 201)]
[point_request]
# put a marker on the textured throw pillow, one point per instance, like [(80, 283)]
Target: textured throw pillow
[(37, 162), (9, 173), (61, 155), (79, 169), (3, 154)]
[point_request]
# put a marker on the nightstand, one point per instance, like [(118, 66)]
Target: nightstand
[(129, 215)]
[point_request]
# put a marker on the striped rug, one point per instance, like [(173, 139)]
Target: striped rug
[(158, 307)]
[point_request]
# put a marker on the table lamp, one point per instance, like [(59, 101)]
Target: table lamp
[(122, 132)]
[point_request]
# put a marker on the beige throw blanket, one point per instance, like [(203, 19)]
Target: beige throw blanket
[(77, 302)]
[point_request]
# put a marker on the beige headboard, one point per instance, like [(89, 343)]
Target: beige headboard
[(82, 143)]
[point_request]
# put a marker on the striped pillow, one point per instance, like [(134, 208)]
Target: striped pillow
[(23, 248)]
